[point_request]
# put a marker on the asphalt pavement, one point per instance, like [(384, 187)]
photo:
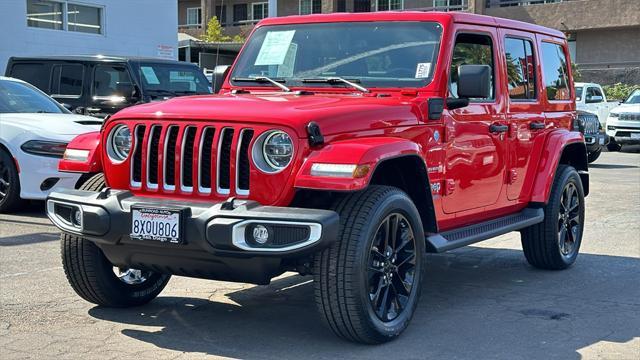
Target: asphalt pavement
[(479, 302)]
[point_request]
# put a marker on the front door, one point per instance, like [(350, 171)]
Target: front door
[(476, 135), (525, 111)]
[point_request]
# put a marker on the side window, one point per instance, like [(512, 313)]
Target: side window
[(520, 69), (554, 67), (471, 49), (35, 74), (67, 80), (108, 80)]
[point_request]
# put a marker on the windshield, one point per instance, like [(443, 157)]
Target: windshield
[(373, 54), (578, 93), (19, 97), (172, 79), (634, 98)]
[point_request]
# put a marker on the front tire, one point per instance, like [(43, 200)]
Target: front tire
[(367, 284), (96, 280), (594, 155), (9, 184), (554, 243)]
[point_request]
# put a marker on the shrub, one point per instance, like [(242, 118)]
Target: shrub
[(619, 91)]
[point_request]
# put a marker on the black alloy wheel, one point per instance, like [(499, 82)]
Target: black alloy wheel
[(569, 220), (392, 265)]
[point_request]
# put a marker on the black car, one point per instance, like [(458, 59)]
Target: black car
[(102, 85), (594, 135)]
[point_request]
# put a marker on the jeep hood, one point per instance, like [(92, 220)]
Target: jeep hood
[(334, 113)]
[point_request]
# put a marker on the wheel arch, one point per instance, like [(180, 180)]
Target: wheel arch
[(562, 147)]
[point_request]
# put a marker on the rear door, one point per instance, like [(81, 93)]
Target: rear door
[(525, 111), (67, 83), (475, 155)]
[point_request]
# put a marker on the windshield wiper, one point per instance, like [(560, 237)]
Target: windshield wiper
[(337, 80), (264, 79)]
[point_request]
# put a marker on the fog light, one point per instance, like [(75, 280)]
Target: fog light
[(77, 218), (260, 234)]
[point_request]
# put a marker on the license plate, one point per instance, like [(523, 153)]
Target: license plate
[(635, 135), (601, 141), (156, 224)]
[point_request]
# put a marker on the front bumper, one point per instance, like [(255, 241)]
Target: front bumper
[(39, 176), (596, 141), (624, 131), (213, 244)]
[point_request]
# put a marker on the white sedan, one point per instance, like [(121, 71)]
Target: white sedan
[(34, 132)]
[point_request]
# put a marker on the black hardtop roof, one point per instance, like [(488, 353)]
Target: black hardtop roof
[(99, 58)]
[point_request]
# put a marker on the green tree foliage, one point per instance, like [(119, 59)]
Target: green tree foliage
[(215, 33), (619, 91)]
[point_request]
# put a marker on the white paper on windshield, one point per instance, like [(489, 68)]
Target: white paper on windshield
[(286, 69), (422, 70), (150, 75), (275, 47)]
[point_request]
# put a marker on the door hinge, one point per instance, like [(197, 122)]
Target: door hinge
[(513, 176), (450, 186)]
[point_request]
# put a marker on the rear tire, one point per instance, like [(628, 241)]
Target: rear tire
[(554, 243), (613, 145), (366, 287), (9, 184), (94, 278), (594, 155)]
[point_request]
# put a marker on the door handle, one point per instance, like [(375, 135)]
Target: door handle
[(92, 109), (537, 126), (497, 128)]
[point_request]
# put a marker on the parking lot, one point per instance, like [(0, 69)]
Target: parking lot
[(479, 302)]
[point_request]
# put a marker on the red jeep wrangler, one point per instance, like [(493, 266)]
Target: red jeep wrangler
[(344, 146)]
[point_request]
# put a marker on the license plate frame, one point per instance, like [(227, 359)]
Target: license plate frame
[(147, 231)]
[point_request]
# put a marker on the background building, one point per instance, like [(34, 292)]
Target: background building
[(87, 27), (604, 35)]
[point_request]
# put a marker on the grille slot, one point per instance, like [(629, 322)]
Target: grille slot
[(224, 160), (152, 153), (170, 158), (206, 147), (243, 166), (136, 168), (187, 158)]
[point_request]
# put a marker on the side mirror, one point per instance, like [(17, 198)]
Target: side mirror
[(594, 99), (217, 78), (474, 81)]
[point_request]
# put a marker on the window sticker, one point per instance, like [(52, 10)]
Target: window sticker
[(275, 48), (150, 75), (423, 70)]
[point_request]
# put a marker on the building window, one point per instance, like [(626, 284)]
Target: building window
[(259, 10), (508, 3), (554, 68), (310, 7), (342, 6), (386, 5), (240, 14), (520, 69), (221, 14), (86, 19), (44, 14), (194, 16), (59, 15), (450, 5), (361, 5)]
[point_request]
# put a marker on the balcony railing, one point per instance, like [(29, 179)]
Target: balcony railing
[(507, 3), (444, 5)]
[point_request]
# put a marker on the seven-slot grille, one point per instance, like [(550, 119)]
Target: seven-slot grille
[(591, 123), (193, 159)]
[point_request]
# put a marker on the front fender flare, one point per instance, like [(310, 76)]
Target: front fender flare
[(552, 154), (357, 151), (90, 142)]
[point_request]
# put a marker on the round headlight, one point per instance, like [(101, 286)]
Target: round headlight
[(120, 142), (273, 151)]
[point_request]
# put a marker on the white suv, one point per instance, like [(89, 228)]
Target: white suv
[(623, 123)]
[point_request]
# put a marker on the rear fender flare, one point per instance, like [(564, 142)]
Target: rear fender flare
[(562, 146)]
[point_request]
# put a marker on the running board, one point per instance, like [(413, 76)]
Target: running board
[(453, 239)]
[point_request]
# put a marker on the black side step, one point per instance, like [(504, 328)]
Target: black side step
[(467, 235)]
